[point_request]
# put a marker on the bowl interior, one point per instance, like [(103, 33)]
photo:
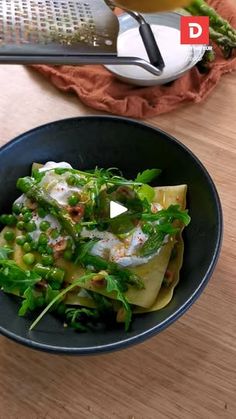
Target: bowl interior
[(131, 74), (131, 146)]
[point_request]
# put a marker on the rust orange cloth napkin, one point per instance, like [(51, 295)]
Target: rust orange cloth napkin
[(99, 89)]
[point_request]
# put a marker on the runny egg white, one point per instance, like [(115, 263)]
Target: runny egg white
[(56, 185), (123, 251)]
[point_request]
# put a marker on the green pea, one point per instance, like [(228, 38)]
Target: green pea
[(57, 274), (24, 210), (41, 212), (55, 234), (44, 225), (24, 184), (29, 258), (147, 228), (71, 180), (47, 260), (34, 246), (9, 236), (30, 226), (27, 216), (49, 250), (59, 170), (41, 249), (26, 247), (16, 208), (20, 225), (43, 239), (53, 212), (8, 219), (73, 200), (20, 240), (91, 226), (68, 255), (28, 238), (102, 226)]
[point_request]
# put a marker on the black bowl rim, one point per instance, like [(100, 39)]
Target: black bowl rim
[(94, 350)]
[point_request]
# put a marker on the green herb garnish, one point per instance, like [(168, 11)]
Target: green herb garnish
[(147, 175), (164, 227), (14, 278), (5, 252), (60, 296), (126, 276), (113, 285), (82, 319)]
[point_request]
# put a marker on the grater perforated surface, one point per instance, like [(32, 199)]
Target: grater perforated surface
[(55, 27)]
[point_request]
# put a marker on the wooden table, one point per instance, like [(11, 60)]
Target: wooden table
[(189, 370)]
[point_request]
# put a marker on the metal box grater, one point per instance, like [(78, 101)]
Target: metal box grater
[(61, 32)]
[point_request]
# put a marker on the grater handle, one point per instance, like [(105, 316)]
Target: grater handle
[(78, 60), (151, 46)]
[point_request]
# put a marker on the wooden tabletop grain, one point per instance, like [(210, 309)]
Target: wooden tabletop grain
[(189, 370)]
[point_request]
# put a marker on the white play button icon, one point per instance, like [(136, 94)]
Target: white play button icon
[(116, 209)]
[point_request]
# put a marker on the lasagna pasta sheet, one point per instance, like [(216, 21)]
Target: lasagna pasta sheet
[(154, 296)]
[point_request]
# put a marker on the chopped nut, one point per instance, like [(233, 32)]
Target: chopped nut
[(76, 212), (59, 247)]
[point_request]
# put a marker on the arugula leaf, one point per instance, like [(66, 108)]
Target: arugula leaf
[(103, 303), (51, 294), (173, 212), (126, 276), (101, 176), (82, 319), (114, 286), (164, 227), (59, 297), (146, 192), (105, 308), (32, 300), (84, 249), (5, 252), (156, 239), (14, 278), (147, 175)]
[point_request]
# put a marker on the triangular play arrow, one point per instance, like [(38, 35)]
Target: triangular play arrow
[(116, 209)]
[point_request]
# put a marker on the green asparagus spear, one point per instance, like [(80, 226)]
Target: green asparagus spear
[(154, 243), (125, 275), (221, 32), (217, 23), (164, 227), (157, 239), (31, 189), (223, 42)]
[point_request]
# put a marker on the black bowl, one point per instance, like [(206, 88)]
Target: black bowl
[(132, 146)]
